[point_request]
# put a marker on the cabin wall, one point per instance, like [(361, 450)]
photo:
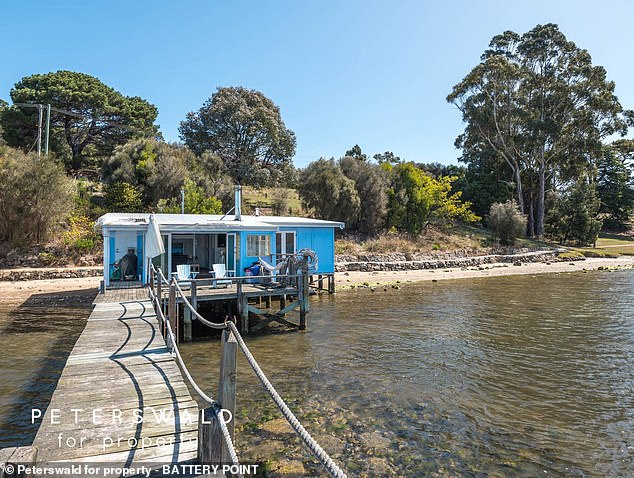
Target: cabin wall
[(319, 239), (245, 260)]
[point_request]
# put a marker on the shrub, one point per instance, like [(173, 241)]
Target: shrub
[(122, 197), (506, 222), (35, 197)]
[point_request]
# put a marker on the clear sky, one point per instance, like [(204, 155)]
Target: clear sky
[(342, 72)]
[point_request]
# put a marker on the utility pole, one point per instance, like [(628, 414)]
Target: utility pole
[(40, 109), (48, 127)]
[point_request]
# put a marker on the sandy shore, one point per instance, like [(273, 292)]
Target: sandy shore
[(17, 292), (86, 288), (346, 280)]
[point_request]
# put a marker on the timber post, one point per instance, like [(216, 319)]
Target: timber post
[(303, 292), (11, 457), (150, 270), (243, 308), (159, 291), (227, 385), (209, 437), (320, 282), (331, 283), (171, 312)]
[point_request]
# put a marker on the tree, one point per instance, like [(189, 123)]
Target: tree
[(537, 102), (615, 182), (325, 189), (245, 129), (506, 222), (36, 196), (356, 153), (88, 115), (574, 214), (416, 200), (387, 158), (121, 196), (196, 201), (371, 186), (3, 107), (157, 169)]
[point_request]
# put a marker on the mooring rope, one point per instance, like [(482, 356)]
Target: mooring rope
[(310, 442), (331, 467)]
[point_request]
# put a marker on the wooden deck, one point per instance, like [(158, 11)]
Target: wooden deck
[(120, 365)]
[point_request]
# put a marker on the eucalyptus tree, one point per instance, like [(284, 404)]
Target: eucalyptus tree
[(245, 129), (87, 117), (539, 104)]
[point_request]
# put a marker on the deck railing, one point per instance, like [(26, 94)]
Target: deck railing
[(215, 430)]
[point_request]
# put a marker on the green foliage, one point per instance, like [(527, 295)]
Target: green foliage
[(35, 197), (506, 222), (573, 216), (80, 232), (356, 153), (245, 129), (370, 183), (615, 183), (122, 196), (484, 184), (100, 117), (328, 192), (281, 201), (196, 201), (537, 104), (157, 169), (570, 255), (386, 158), (416, 200)]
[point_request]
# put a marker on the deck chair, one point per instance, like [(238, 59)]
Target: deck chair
[(220, 273), (183, 274)]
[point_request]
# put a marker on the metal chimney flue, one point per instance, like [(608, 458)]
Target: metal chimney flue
[(238, 203)]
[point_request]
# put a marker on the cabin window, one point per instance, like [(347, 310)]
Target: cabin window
[(258, 245)]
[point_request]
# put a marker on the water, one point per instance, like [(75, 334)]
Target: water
[(36, 340), (507, 376)]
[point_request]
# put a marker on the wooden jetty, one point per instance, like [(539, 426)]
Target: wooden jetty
[(119, 365), (123, 399)]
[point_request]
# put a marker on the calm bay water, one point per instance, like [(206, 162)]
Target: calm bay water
[(508, 376), (36, 340)]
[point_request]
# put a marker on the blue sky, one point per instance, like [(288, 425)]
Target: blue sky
[(342, 72)]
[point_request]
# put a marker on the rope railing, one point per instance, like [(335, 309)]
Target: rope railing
[(331, 467)]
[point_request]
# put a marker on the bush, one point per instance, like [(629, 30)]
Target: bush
[(122, 197), (506, 222), (196, 201), (35, 197)]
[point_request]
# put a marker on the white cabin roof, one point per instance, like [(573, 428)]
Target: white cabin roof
[(210, 221)]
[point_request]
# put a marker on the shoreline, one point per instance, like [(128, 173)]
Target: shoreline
[(82, 289), (355, 279)]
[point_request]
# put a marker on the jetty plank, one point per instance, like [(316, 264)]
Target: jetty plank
[(119, 370)]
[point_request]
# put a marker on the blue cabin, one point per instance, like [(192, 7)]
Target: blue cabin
[(203, 240)]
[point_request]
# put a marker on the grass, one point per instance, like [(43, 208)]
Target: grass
[(610, 245), (460, 237), (263, 198)]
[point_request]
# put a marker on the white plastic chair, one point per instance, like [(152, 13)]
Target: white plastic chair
[(184, 274), (220, 272)]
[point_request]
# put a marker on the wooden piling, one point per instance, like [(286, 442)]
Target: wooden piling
[(243, 307), (209, 438), (16, 455), (320, 282), (171, 311), (304, 284), (227, 385)]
